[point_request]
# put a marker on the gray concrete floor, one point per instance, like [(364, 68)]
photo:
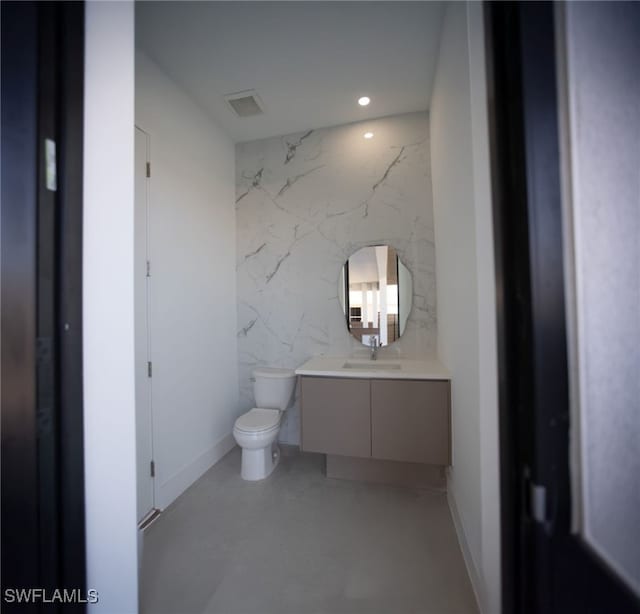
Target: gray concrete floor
[(299, 543)]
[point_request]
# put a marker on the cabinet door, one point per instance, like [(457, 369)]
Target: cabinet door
[(336, 416), (410, 421)]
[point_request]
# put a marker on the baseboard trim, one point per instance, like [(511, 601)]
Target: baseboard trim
[(472, 570), (169, 490)]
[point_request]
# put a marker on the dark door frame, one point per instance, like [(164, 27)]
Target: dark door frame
[(20, 544), (43, 527), (545, 567)]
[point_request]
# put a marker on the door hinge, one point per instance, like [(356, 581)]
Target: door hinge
[(152, 469), (148, 268), (148, 169), (149, 369)]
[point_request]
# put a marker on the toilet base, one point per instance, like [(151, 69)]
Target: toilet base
[(259, 464)]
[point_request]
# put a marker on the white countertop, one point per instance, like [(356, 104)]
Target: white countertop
[(363, 367)]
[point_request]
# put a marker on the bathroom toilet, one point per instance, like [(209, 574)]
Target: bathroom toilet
[(257, 431)]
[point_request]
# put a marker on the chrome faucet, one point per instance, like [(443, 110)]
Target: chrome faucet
[(373, 344)]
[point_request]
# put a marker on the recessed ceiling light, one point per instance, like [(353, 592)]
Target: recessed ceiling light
[(364, 101), (368, 135)]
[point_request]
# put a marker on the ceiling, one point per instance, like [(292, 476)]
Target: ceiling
[(363, 266), (308, 61)]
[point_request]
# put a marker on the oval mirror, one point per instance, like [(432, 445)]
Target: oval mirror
[(375, 292)]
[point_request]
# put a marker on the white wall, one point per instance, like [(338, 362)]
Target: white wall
[(108, 310), (487, 331), (298, 222), (454, 213), (193, 283), (466, 290)]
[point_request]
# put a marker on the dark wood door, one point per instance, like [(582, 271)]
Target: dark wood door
[(547, 566), (41, 361)]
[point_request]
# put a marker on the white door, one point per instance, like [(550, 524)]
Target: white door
[(144, 431)]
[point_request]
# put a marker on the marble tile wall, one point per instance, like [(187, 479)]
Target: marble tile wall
[(304, 203)]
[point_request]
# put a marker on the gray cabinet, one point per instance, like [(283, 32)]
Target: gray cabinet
[(336, 416), (410, 421), (398, 420)]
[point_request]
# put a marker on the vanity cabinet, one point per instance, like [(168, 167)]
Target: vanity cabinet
[(386, 419), (410, 421), (336, 416)]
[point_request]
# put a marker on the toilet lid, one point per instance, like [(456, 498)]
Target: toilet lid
[(258, 420)]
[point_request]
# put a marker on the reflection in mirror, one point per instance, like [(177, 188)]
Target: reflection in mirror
[(375, 292)]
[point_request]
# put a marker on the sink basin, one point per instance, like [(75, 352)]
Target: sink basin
[(372, 365)]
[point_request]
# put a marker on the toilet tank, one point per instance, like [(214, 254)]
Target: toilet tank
[(272, 388)]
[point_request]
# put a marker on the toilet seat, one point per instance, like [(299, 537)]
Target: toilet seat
[(258, 420)]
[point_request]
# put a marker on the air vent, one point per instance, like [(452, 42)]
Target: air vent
[(245, 104)]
